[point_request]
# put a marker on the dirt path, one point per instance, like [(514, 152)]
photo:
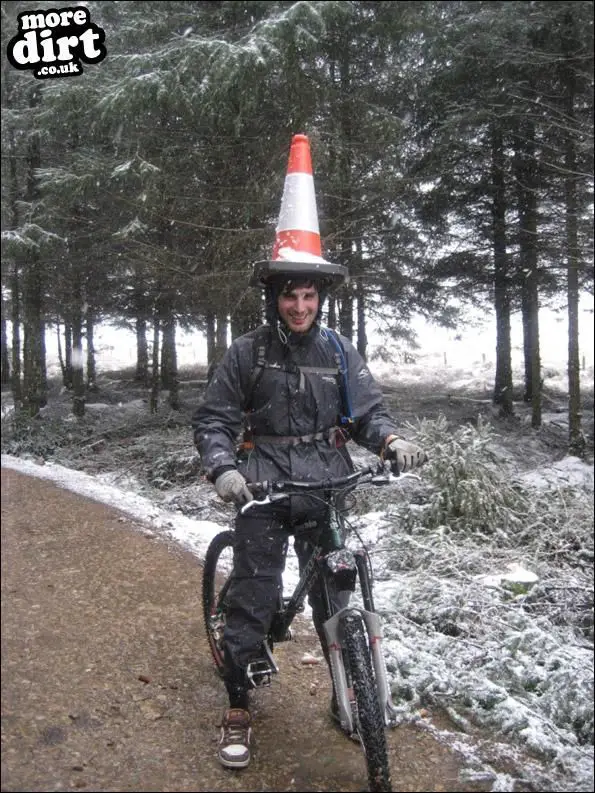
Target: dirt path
[(107, 684)]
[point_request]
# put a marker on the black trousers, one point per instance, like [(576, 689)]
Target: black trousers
[(261, 543)]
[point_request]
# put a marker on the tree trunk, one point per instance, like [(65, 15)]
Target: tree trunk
[(331, 320), (220, 337), (503, 379), (526, 188), (33, 394), (78, 379), (59, 346), (211, 341), (346, 316), (141, 374), (68, 375), (170, 368), (165, 363), (12, 199), (91, 363), (15, 316), (33, 366), (43, 364), (576, 440), (527, 341), (4, 351), (155, 374)]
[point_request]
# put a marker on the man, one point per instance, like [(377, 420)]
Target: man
[(289, 411)]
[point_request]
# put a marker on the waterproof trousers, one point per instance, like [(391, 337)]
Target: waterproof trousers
[(261, 543)]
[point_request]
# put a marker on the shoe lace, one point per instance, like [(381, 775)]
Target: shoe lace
[(235, 731)]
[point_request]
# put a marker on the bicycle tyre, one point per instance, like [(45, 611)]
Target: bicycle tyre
[(215, 577), (369, 718)]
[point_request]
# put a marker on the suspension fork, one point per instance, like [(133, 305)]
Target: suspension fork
[(372, 622)]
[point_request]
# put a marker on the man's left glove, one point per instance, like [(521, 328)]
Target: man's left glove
[(406, 455), (231, 486)]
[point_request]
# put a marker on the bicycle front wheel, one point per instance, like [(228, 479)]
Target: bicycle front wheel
[(215, 584), (369, 718)]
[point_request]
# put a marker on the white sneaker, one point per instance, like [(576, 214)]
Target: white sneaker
[(234, 744)]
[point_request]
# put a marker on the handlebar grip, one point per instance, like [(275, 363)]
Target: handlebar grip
[(257, 487)]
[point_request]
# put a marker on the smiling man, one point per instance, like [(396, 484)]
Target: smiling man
[(296, 392), (298, 306)]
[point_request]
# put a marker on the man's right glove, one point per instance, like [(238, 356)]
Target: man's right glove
[(231, 486), (406, 455)]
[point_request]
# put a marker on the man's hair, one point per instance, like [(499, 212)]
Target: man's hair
[(296, 283)]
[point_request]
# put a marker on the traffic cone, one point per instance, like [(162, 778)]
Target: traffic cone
[(297, 250), (298, 233)]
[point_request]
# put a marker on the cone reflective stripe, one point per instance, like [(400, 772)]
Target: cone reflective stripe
[(298, 233), (297, 251)]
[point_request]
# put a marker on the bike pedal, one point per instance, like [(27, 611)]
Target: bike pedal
[(259, 673), (260, 670)]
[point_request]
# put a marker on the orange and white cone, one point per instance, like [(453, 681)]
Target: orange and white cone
[(297, 251), (298, 233)]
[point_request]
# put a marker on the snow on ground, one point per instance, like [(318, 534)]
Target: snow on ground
[(528, 681)]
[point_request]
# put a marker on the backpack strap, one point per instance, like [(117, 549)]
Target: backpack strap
[(260, 354), (347, 412), (261, 349)]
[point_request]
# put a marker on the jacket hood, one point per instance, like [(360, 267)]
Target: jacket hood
[(271, 295)]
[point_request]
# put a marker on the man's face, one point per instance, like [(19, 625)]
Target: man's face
[(298, 307)]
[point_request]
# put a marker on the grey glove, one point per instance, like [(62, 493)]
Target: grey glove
[(231, 486), (407, 455)]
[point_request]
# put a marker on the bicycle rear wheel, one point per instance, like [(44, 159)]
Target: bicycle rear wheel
[(215, 584), (369, 718)]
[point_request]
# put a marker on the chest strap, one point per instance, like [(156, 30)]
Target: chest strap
[(334, 435)]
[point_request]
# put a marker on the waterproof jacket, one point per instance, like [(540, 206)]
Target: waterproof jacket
[(290, 402)]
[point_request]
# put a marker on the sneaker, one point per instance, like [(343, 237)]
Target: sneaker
[(234, 744)]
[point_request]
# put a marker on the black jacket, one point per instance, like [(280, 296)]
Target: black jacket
[(286, 401)]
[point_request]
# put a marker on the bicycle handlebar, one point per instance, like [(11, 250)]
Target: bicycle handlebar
[(280, 485), (275, 490)]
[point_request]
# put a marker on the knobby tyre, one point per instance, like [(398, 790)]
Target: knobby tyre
[(370, 719), (215, 582)]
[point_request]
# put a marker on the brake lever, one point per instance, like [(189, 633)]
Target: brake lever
[(388, 477), (268, 499)]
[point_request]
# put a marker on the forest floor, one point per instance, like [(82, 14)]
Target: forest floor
[(107, 682)]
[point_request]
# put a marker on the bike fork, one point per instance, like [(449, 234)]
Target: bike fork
[(344, 700)]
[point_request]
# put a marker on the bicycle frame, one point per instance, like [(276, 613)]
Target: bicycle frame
[(350, 565)]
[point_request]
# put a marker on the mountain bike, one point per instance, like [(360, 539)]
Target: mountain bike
[(354, 633)]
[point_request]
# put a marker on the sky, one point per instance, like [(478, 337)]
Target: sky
[(525, 679)]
